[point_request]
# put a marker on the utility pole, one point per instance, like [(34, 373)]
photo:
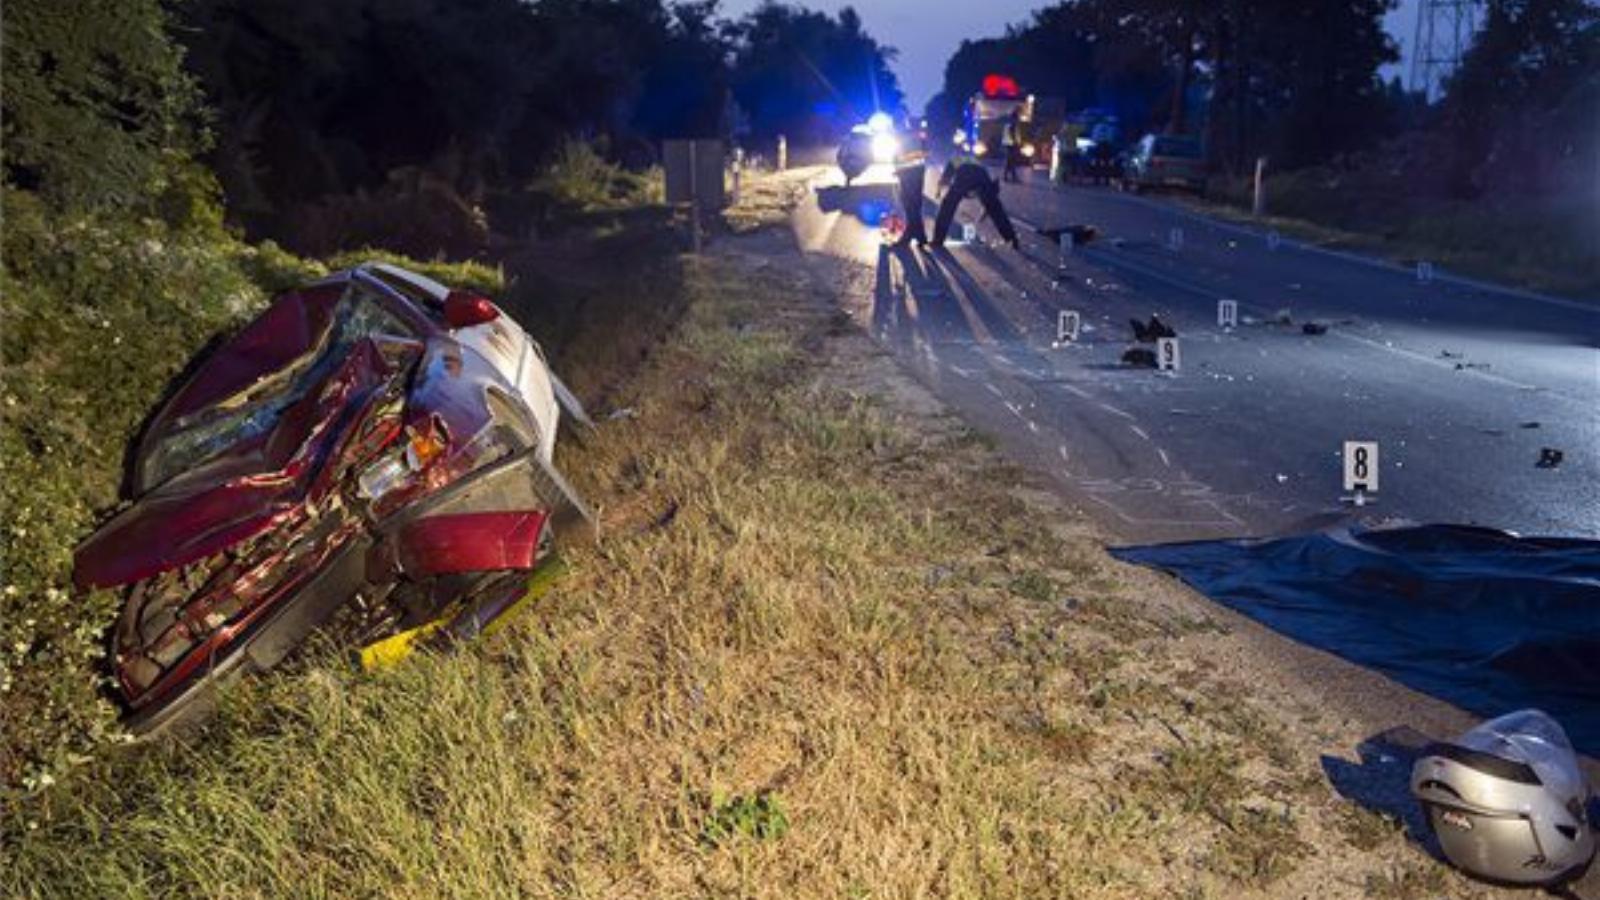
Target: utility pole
[(1445, 29)]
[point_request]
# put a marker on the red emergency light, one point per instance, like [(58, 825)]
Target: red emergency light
[(1000, 86)]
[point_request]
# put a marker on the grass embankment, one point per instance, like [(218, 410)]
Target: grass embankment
[(1544, 244), (823, 650)]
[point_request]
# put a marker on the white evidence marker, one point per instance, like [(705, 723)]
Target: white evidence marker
[(969, 232), (1227, 313), (1068, 323), (1360, 470), (1167, 354)]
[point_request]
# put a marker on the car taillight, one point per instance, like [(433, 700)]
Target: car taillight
[(422, 445)]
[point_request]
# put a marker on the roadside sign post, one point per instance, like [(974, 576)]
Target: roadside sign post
[(783, 153), (1360, 471), (1068, 323), (694, 176), (1227, 314), (1167, 355)]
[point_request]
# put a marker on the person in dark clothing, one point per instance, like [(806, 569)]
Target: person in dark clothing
[(1011, 145), (910, 165), (965, 176)]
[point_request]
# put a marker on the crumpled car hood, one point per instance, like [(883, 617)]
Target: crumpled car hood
[(244, 492)]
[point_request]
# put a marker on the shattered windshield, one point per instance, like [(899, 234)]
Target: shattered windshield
[(254, 412)]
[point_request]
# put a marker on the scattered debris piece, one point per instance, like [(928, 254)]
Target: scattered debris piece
[(1151, 332), (1550, 457), (1471, 365), (1142, 357), (1281, 317), (1282, 478), (1493, 432), (1529, 425), (1446, 354), (627, 412), (666, 517), (1314, 328)]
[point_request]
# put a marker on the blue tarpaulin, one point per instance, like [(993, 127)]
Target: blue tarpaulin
[(1483, 619)]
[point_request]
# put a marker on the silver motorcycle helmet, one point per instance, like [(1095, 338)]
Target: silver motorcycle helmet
[(1507, 801)]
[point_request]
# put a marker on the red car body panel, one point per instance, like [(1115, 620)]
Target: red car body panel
[(247, 491), (470, 542)]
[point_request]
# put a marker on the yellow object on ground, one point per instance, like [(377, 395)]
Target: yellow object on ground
[(393, 649)]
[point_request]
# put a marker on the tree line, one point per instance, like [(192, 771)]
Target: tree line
[(1301, 82), (108, 102)]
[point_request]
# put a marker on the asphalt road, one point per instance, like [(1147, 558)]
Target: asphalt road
[(1461, 384)]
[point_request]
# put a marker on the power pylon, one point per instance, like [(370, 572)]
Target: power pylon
[(1445, 29)]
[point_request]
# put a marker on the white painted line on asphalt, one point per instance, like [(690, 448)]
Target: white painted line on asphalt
[(1114, 411), (1163, 454), (1139, 431), (992, 389), (1369, 261)]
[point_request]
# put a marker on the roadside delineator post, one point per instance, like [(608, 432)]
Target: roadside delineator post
[(1424, 271), (1258, 205), (1175, 239), (1274, 239), (783, 153), (1067, 243)]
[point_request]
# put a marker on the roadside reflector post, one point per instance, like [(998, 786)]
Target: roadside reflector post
[(1175, 239), (1424, 271), (1258, 206), (1227, 314), (1068, 323), (1167, 354), (1274, 239), (1067, 242), (1360, 471), (783, 153)]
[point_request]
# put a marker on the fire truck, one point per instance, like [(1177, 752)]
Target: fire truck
[(987, 111)]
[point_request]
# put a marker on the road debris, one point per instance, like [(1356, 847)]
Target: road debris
[(1281, 317), (1154, 330), (1549, 458), (1529, 425), (1141, 357), (1314, 328)]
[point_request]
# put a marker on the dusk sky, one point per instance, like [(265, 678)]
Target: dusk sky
[(927, 32)]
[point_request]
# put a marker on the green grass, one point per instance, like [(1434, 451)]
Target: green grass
[(1541, 243)]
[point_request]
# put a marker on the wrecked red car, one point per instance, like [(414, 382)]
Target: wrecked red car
[(374, 451)]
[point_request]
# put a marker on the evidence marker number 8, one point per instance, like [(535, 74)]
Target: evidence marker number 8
[(1361, 466)]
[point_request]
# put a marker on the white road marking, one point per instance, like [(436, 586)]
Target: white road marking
[(1114, 411), (1163, 454), (1139, 431), (992, 389)]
